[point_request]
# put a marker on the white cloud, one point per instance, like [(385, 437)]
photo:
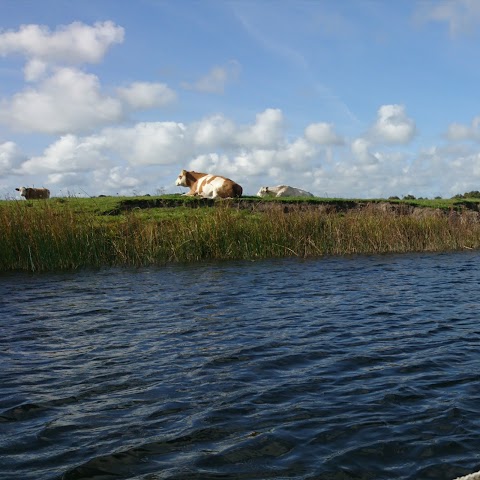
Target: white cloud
[(166, 143), (361, 150), (278, 162), (117, 179), (68, 179), (148, 143), (68, 101), (216, 79), (461, 16), (68, 154), (216, 131), (457, 131), (393, 125), (143, 95), (267, 131), (213, 162), (323, 134), (10, 157), (34, 70), (140, 158), (455, 168), (75, 43)]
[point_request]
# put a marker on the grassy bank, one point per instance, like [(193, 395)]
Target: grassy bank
[(63, 234)]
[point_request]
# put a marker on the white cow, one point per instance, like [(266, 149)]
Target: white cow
[(283, 191), (208, 186), (33, 193)]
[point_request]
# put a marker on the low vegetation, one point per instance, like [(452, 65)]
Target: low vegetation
[(74, 233)]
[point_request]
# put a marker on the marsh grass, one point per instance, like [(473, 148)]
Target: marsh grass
[(51, 235)]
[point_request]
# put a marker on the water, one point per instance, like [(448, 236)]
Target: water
[(334, 368)]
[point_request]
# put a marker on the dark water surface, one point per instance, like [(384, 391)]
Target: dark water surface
[(334, 368)]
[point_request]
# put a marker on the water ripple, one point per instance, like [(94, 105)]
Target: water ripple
[(338, 368)]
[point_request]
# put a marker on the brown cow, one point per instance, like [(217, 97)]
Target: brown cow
[(208, 186), (33, 193)]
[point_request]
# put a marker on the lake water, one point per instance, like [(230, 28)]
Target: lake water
[(364, 367)]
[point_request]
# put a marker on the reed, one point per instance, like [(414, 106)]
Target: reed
[(46, 236)]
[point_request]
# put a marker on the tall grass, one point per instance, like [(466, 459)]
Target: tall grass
[(40, 236)]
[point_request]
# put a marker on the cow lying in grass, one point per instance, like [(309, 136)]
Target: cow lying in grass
[(33, 193), (208, 186), (283, 191)]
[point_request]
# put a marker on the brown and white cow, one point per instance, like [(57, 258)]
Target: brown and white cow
[(283, 191), (208, 186), (33, 193)]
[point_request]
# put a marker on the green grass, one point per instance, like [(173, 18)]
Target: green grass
[(74, 233)]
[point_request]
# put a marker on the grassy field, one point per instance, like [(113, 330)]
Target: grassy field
[(73, 233)]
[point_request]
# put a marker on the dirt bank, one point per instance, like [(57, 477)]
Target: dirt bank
[(469, 209)]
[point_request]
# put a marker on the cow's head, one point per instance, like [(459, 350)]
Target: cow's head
[(182, 179), (22, 190), (263, 192)]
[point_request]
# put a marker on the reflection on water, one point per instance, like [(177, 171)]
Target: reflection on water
[(334, 368)]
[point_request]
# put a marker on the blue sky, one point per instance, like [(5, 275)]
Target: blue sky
[(351, 98)]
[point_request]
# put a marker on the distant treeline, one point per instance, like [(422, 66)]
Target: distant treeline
[(473, 194)]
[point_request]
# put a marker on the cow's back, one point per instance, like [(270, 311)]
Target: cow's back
[(37, 193), (212, 186), (286, 191)]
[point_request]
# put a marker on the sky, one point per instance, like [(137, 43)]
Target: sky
[(349, 98)]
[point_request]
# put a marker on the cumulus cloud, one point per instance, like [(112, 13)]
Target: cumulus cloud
[(122, 159), (249, 163), (75, 43), (252, 149), (268, 130), (10, 157), (393, 125), (68, 154), (142, 95), (148, 143), (461, 16), (216, 79), (68, 179), (215, 131), (144, 156), (218, 131), (117, 179), (361, 150), (164, 143), (457, 131), (323, 134), (34, 70), (68, 101)]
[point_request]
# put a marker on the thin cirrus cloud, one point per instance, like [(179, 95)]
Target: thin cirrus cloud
[(216, 80), (461, 16)]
